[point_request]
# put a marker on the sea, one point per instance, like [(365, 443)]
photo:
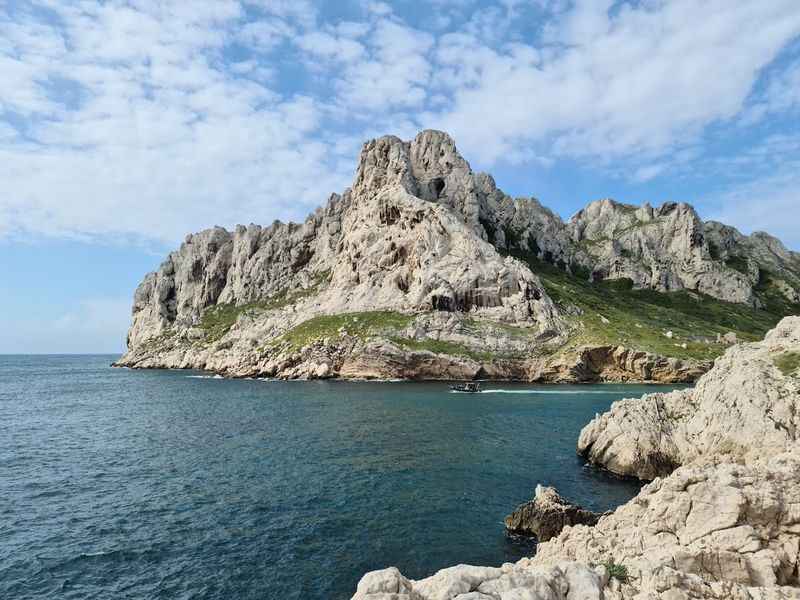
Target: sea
[(118, 483)]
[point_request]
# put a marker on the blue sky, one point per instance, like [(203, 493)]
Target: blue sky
[(126, 125)]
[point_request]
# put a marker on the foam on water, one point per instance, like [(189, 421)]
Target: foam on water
[(550, 392)]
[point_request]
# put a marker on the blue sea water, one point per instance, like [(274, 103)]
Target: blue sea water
[(167, 484)]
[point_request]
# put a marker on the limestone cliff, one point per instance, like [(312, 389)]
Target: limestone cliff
[(747, 404), (423, 269), (666, 248)]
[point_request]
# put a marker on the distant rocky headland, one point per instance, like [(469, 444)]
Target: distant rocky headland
[(720, 521), (424, 269)]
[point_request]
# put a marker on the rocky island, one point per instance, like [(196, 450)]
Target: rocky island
[(721, 519), (424, 269)]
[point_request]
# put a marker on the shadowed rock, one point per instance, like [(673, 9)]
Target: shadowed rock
[(547, 514), (741, 408)]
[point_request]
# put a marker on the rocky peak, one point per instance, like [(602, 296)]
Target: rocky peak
[(429, 168), (422, 167), (420, 231)]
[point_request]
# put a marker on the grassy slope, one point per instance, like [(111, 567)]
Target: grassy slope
[(640, 318), (360, 324), (373, 324), (788, 363), (217, 320), (637, 319)]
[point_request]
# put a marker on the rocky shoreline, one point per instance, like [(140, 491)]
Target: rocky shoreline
[(382, 360), (720, 520)]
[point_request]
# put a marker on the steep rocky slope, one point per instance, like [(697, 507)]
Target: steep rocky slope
[(723, 525), (424, 269), (748, 404), (667, 248)]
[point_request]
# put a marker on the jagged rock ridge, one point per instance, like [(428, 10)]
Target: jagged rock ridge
[(419, 234)]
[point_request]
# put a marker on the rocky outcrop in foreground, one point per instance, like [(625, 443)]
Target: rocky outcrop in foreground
[(547, 514), (725, 532), (703, 532), (745, 406), (725, 525)]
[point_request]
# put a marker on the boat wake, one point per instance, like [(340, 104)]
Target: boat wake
[(543, 392)]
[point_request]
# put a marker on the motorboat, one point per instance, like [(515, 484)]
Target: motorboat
[(470, 388)]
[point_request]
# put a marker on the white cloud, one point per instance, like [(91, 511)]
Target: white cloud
[(393, 74), (165, 138), (648, 172), (634, 81), (303, 12), (337, 48), (151, 119), (766, 204), (381, 9), (781, 95)]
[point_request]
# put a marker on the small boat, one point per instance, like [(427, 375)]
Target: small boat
[(471, 388)]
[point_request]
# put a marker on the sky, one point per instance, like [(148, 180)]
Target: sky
[(126, 125)]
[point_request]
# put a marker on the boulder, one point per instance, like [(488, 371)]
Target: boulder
[(547, 514)]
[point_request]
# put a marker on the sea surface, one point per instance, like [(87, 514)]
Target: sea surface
[(173, 484)]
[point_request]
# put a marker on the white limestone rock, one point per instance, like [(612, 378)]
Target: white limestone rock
[(520, 581), (703, 532), (420, 233), (743, 407)]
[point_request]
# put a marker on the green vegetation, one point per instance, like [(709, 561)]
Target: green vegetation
[(788, 363), (738, 263), (217, 320), (386, 325), (361, 324), (612, 312), (616, 570), (774, 301), (158, 342), (483, 326)]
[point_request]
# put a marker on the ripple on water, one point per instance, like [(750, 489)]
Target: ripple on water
[(152, 484)]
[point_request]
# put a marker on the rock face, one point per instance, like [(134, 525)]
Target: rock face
[(727, 531), (421, 236), (661, 248), (403, 239), (565, 581), (666, 248), (743, 407), (547, 514)]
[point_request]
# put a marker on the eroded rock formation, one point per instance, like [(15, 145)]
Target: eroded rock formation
[(547, 514), (725, 531), (744, 406), (423, 238)]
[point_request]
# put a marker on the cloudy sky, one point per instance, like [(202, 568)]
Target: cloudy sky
[(125, 125)]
